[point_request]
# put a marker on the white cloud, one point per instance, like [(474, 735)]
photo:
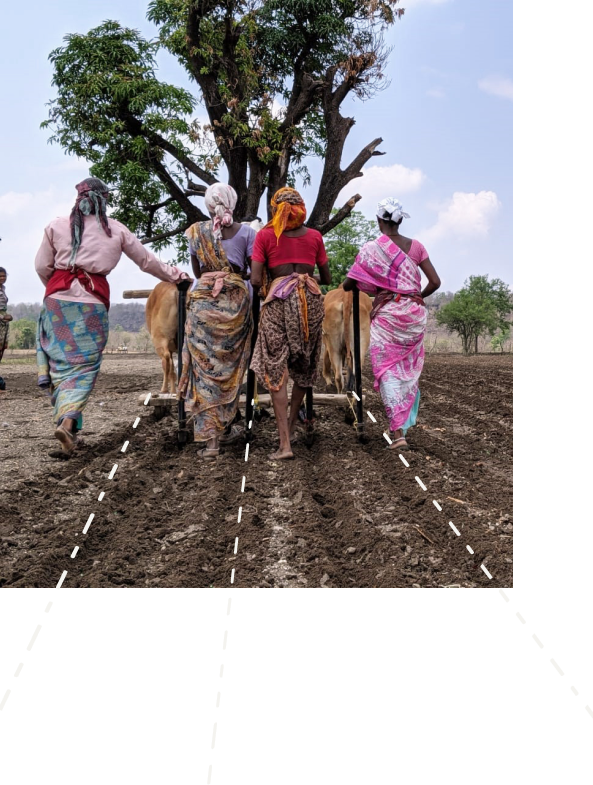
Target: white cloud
[(436, 94), (500, 86), (465, 216), (378, 182)]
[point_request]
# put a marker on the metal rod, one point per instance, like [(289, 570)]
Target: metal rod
[(182, 288), (251, 374), (357, 363)]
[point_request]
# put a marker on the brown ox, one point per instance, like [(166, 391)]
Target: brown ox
[(161, 320), (338, 342)]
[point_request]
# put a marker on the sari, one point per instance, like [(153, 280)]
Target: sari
[(398, 323), (71, 338), (217, 337)]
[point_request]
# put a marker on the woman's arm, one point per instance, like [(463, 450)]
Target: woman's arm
[(195, 265), (45, 259), (147, 261), (325, 275), (434, 281), (349, 284), (257, 270)]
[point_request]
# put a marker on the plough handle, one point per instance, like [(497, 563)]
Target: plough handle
[(357, 364), (182, 288)]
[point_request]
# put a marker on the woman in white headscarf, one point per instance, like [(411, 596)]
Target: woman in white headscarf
[(389, 268), (219, 321)]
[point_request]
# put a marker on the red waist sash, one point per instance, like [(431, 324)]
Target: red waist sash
[(94, 283)]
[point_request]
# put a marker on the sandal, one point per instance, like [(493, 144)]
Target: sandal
[(67, 439), (237, 432), (399, 444), (208, 454)]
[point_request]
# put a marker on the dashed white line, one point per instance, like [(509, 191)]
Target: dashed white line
[(243, 484), (112, 472), (62, 578), (558, 668), (125, 446), (213, 735), (485, 571), (18, 670), (101, 496), (233, 575), (537, 640), (246, 451), (521, 619), (355, 395), (136, 422), (420, 483), (389, 441), (147, 399), (236, 546), (239, 516), (470, 549), (437, 505), (4, 699), (34, 637), (403, 460), (74, 552), (371, 416), (455, 529), (88, 523)]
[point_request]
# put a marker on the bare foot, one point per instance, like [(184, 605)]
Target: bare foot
[(281, 455)]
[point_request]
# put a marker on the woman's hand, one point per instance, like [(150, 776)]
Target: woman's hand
[(7, 317)]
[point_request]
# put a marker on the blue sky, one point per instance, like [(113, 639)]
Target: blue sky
[(446, 121)]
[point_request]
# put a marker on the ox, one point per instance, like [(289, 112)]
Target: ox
[(338, 335), (161, 320)]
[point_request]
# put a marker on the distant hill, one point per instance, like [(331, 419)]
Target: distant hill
[(129, 316)]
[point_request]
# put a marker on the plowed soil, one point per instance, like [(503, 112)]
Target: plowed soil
[(343, 514)]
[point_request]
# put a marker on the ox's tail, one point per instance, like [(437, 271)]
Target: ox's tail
[(347, 334)]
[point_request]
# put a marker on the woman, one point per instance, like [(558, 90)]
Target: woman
[(75, 257), (5, 317), (389, 267), (219, 322), (289, 338)]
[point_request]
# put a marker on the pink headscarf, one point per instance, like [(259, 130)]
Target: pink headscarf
[(220, 200)]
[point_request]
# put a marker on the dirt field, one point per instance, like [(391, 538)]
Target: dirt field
[(341, 515)]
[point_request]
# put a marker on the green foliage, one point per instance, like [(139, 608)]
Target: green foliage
[(22, 334), (344, 242), (481, 307), (499, 340)]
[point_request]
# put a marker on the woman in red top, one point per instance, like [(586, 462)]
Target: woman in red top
[(289, 338)]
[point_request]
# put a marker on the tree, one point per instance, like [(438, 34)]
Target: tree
[(272, 76), (498, 341), (482, 306), (344, 241), (24, 332), (143, 340)]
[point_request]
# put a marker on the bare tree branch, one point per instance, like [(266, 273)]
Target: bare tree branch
[(165, 235), (338, 217)]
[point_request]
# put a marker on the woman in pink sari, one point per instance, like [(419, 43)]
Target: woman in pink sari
[(388, 268)]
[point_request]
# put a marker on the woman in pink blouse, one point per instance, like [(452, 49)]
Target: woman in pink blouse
[(389, 268), (73, 262)]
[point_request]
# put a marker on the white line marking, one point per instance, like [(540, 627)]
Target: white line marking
[(218, 700), (503, 595), (147, 399), (221, 674), (243, 484), (455, 529), (239, 517), (558, 668), (209, 774), (136, 421), (101, 496), (48, 607), (521, 619), (469, 549), (250, 424), (389, 441), (587, 709), (112, 472), (247, 451), (355, 395), (34, 637), (125, 447), (236, 546), (4, 699), (371, 416), (437, 505), (18, 670), (62, 578), (228, 608), (233, 575), (420, 483), (403, 460), (537, 640), (574, 689), (213, 735), (226, 635), (485, 571), (253, 401), (74, 552), (88, 523)]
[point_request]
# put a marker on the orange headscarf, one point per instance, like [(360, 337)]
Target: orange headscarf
[(288, 211)]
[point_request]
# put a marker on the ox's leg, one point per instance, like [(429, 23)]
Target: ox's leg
[(166, 362), (327, 364)]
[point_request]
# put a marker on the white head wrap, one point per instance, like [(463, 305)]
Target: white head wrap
[(220, 200), (391, 209)]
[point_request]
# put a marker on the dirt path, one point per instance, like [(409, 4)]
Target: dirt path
[(343, 514)]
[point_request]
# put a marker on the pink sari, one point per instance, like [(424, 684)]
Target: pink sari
[(397, 329)]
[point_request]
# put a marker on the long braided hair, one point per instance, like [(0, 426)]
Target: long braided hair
[(91, 199)]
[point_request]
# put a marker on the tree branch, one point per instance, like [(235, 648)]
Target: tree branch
[(338, 217), (165, 235), (193, 213), (354, 169)]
